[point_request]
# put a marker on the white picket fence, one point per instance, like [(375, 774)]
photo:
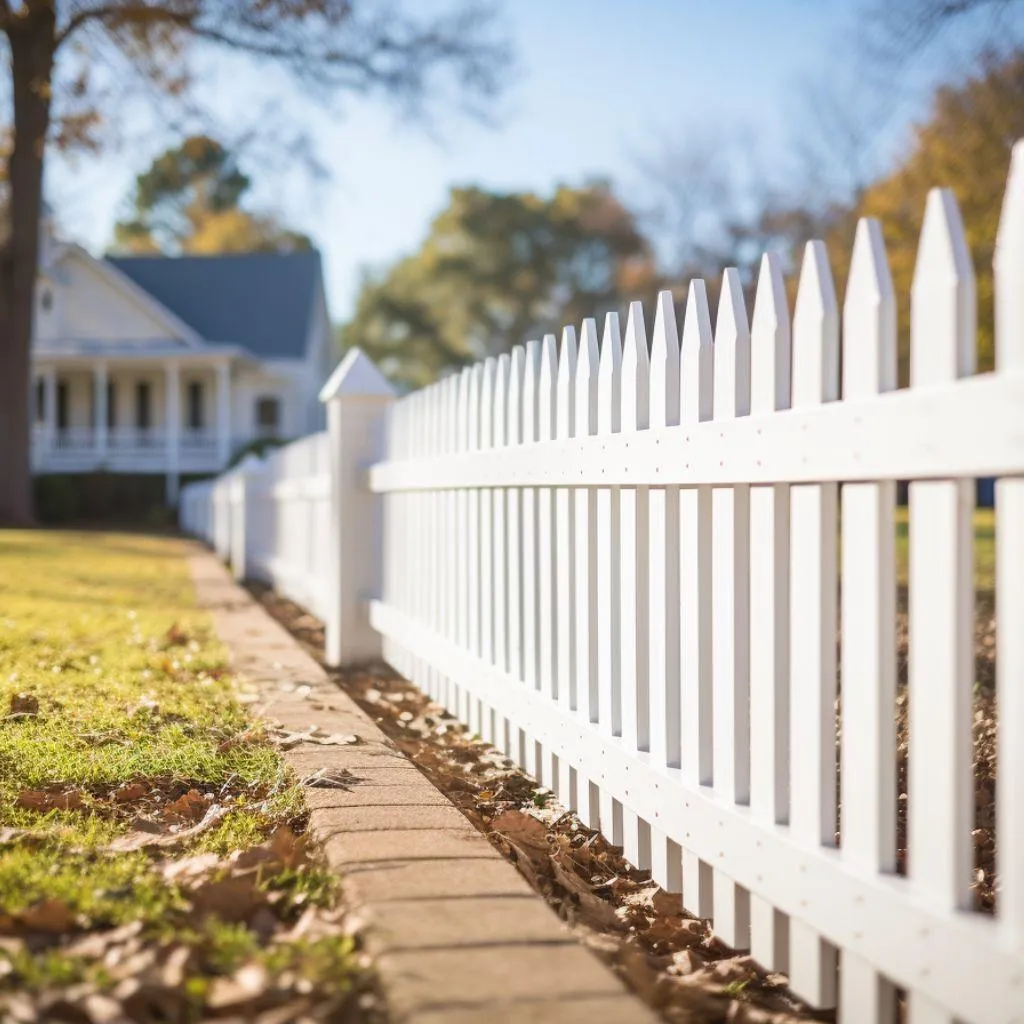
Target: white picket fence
[(620, 563), (271, 518)]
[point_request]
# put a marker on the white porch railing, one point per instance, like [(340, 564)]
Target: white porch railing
[(620, 563), (85, 448)]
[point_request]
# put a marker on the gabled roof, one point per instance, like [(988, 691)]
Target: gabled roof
[(128, 287), (260, 301)]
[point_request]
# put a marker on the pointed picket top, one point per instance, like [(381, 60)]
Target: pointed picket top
[(487, 379), (531, 383), (546, 387), (869, 316), (636, 372), (942, 296), (1009, 268), (770, 344), (412, 434), (462, 417), (514, 410), (609, 377), (436, 391), (476, 387), (732, 351), (665, 364), (427, 419), (452, 388), (565, 390), (585, 399), (356, 376), (815, 331), (696, 358), (502, 381)]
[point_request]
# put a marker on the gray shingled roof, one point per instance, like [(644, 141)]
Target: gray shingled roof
[(260, 301)]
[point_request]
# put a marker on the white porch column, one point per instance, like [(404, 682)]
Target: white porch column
[(172, 432), (50, 406), (99, 379), (223, 413)]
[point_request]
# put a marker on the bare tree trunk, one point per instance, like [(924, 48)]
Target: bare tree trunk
[(33, 42)]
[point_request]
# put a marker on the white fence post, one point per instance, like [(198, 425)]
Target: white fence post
[(357, 397)]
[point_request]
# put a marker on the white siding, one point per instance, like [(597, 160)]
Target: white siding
[(88, 307)]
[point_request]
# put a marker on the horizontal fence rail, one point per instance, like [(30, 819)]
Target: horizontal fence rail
[(618, 559), (658, 569)]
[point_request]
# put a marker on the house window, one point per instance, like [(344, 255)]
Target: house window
[(40, 410), (195, 405), (143, 417), (268, 416), (46, 301), (111, 405)]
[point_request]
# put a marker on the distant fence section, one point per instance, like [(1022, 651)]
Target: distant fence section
[(301, 519), (617, 558)]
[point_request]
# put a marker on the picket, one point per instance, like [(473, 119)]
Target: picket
[(514, 539), (662, 642), (546, 553), (730, 571), (868, 752), (1009, 310), (695, 674), (564, 564), (769, 603), (813, 596), (634, 556), (532, 759), (585, 564), (620, 563), (609, 392), (941, 590), (499, 498)]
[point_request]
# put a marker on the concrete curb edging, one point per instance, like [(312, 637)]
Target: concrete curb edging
[(458, 936)]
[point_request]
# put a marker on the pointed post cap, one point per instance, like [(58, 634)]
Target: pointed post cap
[(356, 376)]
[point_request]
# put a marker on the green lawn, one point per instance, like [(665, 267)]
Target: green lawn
[(118, 723)]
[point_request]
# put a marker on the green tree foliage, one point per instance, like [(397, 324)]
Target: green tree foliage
[(495, 270), (189, 200), (71, 67)]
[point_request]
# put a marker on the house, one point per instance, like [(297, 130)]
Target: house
[(168, 365)]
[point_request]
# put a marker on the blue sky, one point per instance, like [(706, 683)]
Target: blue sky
[(598, 83)]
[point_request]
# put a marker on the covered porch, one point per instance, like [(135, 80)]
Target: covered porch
[(133, 413)]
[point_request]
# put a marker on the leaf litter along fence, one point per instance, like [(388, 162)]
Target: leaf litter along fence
[(619, 562)]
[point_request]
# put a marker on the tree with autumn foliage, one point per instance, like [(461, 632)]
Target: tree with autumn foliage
[(496, 269), (963, 145), (190, 200), (60, 58)]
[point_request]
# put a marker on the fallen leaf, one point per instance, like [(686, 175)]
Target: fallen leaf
[(140, 840), (242, 987), (94, 945), (50, 915), (330, 778), (188, 869), (24, 704), (47, 800), (148, 1003), (176, 636), (132, 791), (230, 897), (189, 807), (595, 910)]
